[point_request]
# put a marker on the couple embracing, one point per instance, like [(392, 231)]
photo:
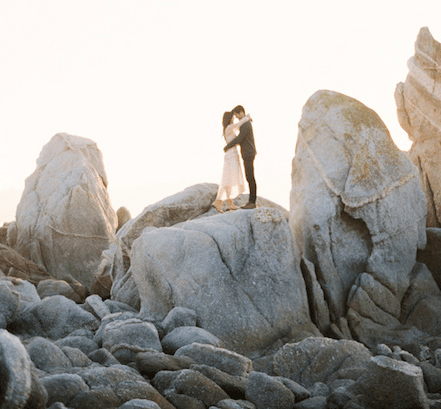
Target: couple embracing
[(232, 183)]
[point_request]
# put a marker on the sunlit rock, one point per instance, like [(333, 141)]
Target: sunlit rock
[(357, 209), (238, 271), (418, 102), (64, 219)]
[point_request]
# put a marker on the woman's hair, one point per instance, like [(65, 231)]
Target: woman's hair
[(226, 119)]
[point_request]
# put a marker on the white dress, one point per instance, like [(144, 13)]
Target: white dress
[(232, 176)]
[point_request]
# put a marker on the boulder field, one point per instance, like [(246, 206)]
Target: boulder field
[(334, 303)]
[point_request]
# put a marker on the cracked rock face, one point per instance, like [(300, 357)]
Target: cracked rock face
[(238, 271), (64, 219), (190, 203), (357, 210), (418, 102)]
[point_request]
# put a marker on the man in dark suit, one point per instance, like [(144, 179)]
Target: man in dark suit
[(248, 150)]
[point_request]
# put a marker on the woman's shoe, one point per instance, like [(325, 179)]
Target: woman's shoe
[(217, 204), (229, 205)]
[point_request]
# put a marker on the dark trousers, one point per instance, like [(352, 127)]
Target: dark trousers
[(248, 162)]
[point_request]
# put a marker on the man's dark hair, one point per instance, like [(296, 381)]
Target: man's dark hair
[(238, 109)]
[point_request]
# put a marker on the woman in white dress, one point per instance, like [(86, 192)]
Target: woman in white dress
[(232, 182)]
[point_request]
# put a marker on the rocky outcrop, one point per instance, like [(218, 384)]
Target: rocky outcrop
[(418, 102), (193, 202), (239, 271), (118, 363), (115, 261), (64, 219), (357, 212), (303, 362)]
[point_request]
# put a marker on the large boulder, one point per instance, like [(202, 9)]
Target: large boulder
[(238, 271), (418, 102), (20, 387), (54, 318), (391, 384), (321, 360), (64, 219), (357, 211), (187, 204)]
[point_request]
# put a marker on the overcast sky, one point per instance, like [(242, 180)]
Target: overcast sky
[(149, 81)]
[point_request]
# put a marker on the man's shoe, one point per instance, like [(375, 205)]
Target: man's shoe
[(249, 205)]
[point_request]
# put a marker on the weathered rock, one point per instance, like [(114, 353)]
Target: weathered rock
[(220, 358), (84, 344), (182, 206), (431, 254), (117, 316), (243, 199), (299, 391), (39, 396), (99, 398), (18, 266), (124, 339), (26, 291), (48, 288), (357, 207), (123, 216), (9, 302), (99, 308), (64, 218), (267, 392), (77, 358), (182, 401), (388, 384), (4, 233), (150, 363), (235, 386), (139, 404), (103, 357), (418, 102), (63, 387), (421, 305), (164, 380), (432, 377), (316, 402), (101, 377), (339, 398), (317, 303), (18, 384), (116, 306), (103, 274), (47, 356), (238, 271), (129, 390), (179, 317), (54, 317), (183, 336), (196, 385), (319, 389), (234, 404), (319, 360)]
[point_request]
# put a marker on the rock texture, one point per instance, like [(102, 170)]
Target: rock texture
[(239, 271), (357, 212), (64, 219), (115, 261), (321, 360), (418, 102)]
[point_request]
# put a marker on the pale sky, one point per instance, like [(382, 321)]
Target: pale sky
[(149, 81)]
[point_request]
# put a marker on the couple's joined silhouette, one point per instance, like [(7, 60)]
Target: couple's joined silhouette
[(232, 183)]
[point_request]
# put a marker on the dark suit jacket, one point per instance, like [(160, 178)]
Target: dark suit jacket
[(245, 139)]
